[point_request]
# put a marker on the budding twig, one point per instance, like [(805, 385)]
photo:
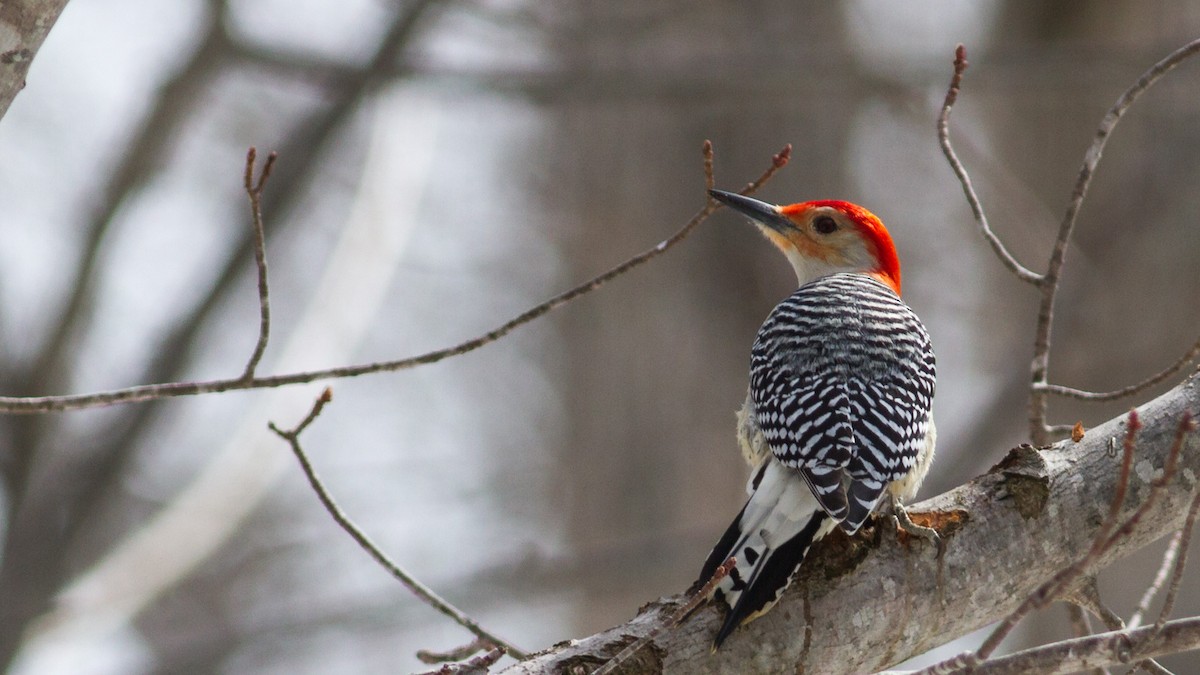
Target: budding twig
[(254, 190), (1049, 285), (1051, 589), (1111, 648), (1181, 541), (943, 129)]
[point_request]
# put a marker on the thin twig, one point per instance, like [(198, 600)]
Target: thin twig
[(476, 666), (1049, 285), (149, 392), (943, 130), (1131, 390), (705, 592), (1084, 597), (1181, 539), (1111, 648), (416, 587), (254, 190), (1151, 666), (1078, 618), (1160, 580), (680, 614), (1106, 537), (1049, 590), (457, 654), (1157, 485), (710, 180)]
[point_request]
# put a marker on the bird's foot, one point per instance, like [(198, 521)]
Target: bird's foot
[(905, 524)]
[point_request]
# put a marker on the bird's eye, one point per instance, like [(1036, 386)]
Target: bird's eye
[(825, 225)]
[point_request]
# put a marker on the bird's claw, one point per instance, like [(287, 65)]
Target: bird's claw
[(905, 524)]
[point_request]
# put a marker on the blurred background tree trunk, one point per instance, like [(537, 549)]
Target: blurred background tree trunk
[(553, 482)]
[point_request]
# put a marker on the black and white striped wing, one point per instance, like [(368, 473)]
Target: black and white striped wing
[(842, 379)]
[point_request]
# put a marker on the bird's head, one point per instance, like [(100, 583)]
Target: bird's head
[(823, 237)]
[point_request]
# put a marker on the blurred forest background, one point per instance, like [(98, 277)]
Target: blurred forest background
[(443, 166)]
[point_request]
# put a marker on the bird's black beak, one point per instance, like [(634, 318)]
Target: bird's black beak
[(760, 212)]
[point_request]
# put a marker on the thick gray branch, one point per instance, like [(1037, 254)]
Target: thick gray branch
[(24, 24), (863, 605)]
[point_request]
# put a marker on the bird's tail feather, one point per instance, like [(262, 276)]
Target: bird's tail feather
[(768, 539)]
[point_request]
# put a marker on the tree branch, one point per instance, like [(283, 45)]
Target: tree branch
[(871, 602), (1105, 649), (1050, 590), (1131, 390), (24, 25), (254, 190), (943, 132), (150, 392), (426, 594), (1049, 286)]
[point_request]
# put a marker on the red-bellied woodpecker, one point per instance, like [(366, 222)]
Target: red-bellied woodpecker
[(838, 413)]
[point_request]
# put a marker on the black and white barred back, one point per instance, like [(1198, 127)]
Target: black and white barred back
[(841, 382), (842, 376)]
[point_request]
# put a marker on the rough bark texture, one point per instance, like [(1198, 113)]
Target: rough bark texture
[(862, 605), (24, 24)]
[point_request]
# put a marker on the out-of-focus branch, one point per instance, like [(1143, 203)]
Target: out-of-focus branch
[(1181, 541), (426, 594), (305, 147), (24, 25), (43, 404), (174, 102)]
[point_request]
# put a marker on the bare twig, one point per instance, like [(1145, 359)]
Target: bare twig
[(1151, 666), (1049, 285), (1180, 541), (1105, 649), (1160, 580), (710, 180), (680, 614), (1050, 590), (705, 591), (1186, 425), (412, 584), (1078, 618), (254, 190), (476, 666), (1131, 390), (943, 129), (1106, 537), (457, 654), (148, 392)]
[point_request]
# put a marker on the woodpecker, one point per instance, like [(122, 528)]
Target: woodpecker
[(838, 412)]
